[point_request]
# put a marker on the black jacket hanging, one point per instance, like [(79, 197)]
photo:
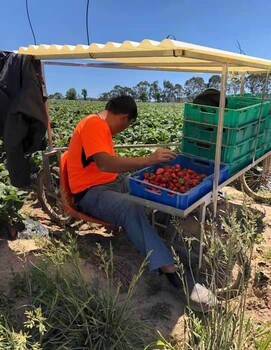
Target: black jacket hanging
[(23, 118)]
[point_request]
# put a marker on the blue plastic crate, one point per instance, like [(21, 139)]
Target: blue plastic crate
[(178, 200)]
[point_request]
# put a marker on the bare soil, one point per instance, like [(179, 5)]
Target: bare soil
[(155, 301)]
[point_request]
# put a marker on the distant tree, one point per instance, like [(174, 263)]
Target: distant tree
[(255, 83), (117, 91), (233, 84), (214, 82), (178, 92), (142, 91), (84, 93), (105, 96), (56, 96), (168, 94), (129, 91), (193, 87), (71, 94), (155, 91)]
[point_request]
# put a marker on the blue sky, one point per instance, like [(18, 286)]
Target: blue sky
[(213, 23)]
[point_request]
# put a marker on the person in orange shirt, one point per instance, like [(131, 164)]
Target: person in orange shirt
[(98, 189)]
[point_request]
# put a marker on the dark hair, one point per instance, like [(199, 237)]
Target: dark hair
[(123, 105)]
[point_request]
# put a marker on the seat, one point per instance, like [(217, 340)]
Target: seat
[(67, 200)]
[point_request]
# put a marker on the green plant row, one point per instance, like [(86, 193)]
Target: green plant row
[(11, 199), (157, 122)]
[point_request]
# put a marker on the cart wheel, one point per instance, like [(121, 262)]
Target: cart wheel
[(256, 182), (230, 277), (50, 199)]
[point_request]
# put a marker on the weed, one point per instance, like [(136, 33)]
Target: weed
[(228, 246), (78, 314)]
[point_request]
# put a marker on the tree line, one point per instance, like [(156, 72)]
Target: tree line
[(145, 91)]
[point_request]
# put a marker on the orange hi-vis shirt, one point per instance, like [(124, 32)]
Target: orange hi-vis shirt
[(91, 135)]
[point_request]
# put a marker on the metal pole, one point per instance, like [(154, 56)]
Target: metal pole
[(219, 135), (242, 87), (49, 130), (202, 220), (150, 145)]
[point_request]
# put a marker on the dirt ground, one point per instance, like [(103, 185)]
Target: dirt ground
[(155, 301)]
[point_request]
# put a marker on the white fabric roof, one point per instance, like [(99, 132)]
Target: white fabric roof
[(168, 55)]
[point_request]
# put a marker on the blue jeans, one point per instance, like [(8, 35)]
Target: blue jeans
[(107, 202)]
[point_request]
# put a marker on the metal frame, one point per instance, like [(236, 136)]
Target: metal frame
[(168, 54), (219, 135), (208, 67)]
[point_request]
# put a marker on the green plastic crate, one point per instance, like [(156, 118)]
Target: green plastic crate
[(268, 136), (239, 112), (230, 137), (268, 121), (244, 161), (228, 153), (257, 98), (239, 164), (267, 146), (260, 152)]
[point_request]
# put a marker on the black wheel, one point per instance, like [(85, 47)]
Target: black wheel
[(228, 278), (50, 199), (256, 182)]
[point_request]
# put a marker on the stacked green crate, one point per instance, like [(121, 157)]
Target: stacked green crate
[(244, 119), (267, 146)]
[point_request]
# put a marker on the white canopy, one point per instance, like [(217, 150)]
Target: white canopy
[(170, 55)]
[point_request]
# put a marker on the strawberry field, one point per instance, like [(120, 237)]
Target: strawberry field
[(157, 123), (65, 289)]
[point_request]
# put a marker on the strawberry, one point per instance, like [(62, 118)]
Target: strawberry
[(159, 171)]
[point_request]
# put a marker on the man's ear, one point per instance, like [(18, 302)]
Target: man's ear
[(125, 117)]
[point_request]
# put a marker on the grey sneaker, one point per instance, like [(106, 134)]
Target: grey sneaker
[(195, 295), (201, 299)]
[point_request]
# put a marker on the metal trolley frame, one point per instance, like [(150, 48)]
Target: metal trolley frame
[(167, 55)]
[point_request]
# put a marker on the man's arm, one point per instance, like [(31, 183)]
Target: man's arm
[(115, 164)]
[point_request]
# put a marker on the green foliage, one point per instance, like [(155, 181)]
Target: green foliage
[(145, 91), (258, 83), (78, 314), (84, 93), (71, 94), (226, 326), (263, 337), (11, 339), (214, 82), (56, 96), (163, 344), (194, 86), (11, 199), (157, 123)]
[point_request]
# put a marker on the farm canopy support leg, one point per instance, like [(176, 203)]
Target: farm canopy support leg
[(242, 87), (49, 130), (219, 135), (202, 220)]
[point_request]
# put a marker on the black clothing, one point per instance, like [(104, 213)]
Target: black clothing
[(23, 118), (209, 97)]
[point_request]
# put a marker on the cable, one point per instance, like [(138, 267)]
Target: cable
[(171, 35), (240, 48), (26, 5), (87, 22)]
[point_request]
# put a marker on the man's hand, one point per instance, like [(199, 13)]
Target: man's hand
[(162, 155), (114, 164)]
